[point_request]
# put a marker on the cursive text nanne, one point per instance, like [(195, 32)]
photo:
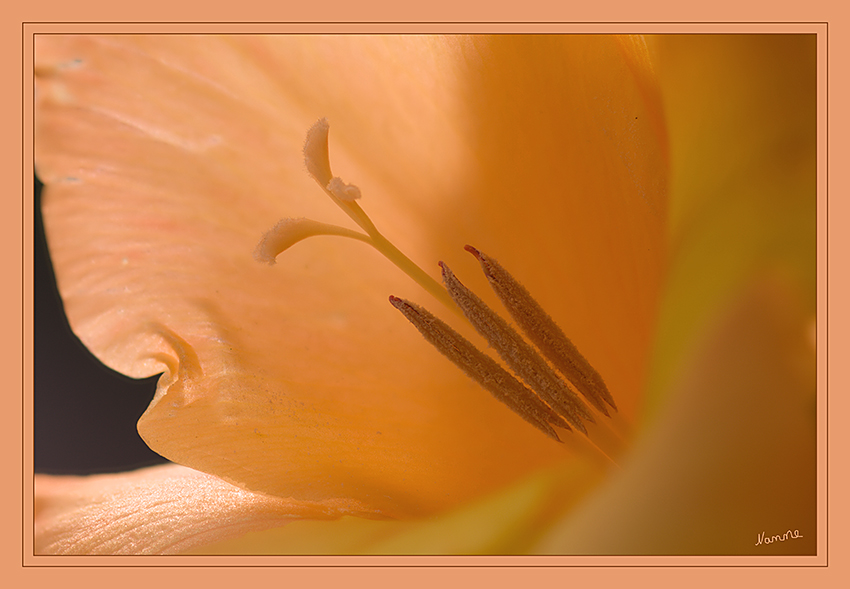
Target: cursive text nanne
[(777, 538)]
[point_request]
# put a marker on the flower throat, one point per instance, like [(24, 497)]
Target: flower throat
[(542, 393)]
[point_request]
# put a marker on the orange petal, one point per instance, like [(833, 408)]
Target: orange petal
[(167, 158), (733, 454), (731, 449), (160, 510), (742, 112)]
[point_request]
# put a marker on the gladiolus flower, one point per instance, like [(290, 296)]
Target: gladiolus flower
[(294, 393)]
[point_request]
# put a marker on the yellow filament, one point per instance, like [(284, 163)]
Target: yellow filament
[(317, 160)]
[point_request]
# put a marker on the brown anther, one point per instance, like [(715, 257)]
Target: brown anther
[(544, 333), (517, 354), (482, 369)]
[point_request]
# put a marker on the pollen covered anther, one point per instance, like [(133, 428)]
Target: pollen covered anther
[(517, 354), (482, 369), (543, 389), (544, 333)]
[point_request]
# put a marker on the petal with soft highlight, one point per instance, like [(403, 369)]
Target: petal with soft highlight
[(159, 510)]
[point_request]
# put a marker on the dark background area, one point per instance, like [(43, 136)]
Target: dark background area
[(85, 413)]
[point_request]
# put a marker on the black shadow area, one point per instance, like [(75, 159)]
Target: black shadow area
[(85, 413)]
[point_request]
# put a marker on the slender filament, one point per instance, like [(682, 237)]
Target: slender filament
[(289, 231)]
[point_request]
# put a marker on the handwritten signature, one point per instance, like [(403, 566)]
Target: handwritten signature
[(762, 539)]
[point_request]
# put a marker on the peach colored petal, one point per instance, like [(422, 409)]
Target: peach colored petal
[(160, 510), (167, 158)]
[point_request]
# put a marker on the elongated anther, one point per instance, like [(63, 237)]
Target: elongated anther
[(482, 369), (517, 354), (544, 333)]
